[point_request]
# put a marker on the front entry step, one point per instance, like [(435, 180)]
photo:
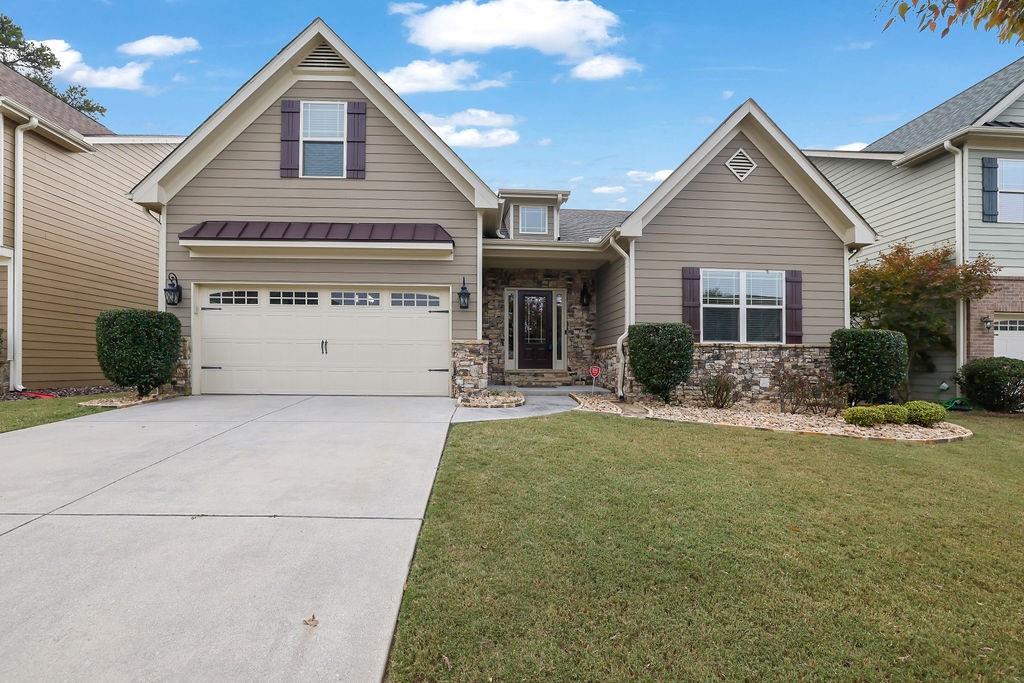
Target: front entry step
[(538, 378), (550, 391)]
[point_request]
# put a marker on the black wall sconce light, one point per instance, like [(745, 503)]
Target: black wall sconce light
[(585, 296), (987, 322), (172, 292), (464, 295)]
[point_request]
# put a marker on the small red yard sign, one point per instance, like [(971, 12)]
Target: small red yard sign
[(595, 371)]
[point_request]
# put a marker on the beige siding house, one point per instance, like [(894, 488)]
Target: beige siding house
[(328, 242), (925, 184), (73, 242)]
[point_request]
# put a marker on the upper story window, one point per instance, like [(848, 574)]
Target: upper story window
[(323, 140), (533, 220), (742, 306), (1011, 190)]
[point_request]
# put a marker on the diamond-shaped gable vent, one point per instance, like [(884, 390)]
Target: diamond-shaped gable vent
[(323, 56), (741, 164)]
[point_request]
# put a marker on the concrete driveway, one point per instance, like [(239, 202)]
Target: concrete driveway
[(189, 539)]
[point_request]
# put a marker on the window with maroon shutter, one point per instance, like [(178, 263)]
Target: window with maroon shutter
[(355, 160), (691, 300), (794, 307), (742, 306), (290, 121)]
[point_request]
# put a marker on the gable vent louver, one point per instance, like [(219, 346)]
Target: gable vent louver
[(741, 164), (323, 56)]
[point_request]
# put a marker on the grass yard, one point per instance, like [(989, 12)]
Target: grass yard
[(591, 547), (29, 413)]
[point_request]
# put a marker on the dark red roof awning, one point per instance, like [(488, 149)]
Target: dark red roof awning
[(319, 232)]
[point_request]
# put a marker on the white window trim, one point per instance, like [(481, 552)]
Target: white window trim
[(533, 231), (343, 139), (563, 332), (743, 306)]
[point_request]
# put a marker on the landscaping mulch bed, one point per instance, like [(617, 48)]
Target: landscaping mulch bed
[(765, 416), (493, 399), (62, 393)]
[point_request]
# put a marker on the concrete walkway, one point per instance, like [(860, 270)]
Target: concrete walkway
[(189, 539), (539, 401)]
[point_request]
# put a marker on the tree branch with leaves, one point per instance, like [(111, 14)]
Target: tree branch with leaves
[(1006, 17)]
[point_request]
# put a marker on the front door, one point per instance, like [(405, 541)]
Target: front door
[(536, 331)]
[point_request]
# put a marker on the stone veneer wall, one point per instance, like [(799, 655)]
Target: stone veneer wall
[(469, 367), (1006, 297), (5, 375), (580, 320), (181, 382), (753, 365)]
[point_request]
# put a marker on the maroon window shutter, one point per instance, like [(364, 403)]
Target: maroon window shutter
[(355, 140), (290, 121), (691, 300), (794, 307)]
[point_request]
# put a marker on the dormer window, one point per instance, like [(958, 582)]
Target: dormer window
[(323, 140), (533, 220)]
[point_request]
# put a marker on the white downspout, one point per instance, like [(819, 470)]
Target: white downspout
[(961, 308), (627, 305), (19, 246)]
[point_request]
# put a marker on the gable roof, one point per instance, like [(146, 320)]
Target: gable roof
[(584, 225), (974, 106), (787, 159), (266, 87), (44, 103)]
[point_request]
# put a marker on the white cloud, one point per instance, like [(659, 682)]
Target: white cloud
[(851, 147), (649, 176), (544, 142), (406, 8), (609, 189), (474, 137), (574, 29), (727, 94), (854, 45), (622, 200), (472, 117), (431, 75), (576, 179), (178, 78), (159, 46), (74, 70), (601, 67)]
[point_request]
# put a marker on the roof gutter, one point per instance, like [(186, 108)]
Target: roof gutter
[(68, 139), (936, 148)]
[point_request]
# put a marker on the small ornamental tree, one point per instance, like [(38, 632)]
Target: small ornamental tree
[(661, 356), (138, 348), (916, 294)]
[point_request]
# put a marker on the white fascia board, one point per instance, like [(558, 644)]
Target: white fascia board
[(134, 139), (68, 139), (1001, 105), (268, 84), (841, 154), (977, 134)]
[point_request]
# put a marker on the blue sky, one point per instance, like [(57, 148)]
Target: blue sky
[(613, 93)]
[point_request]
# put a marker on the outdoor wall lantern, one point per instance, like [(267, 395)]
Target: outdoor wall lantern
[(464, 295), (585, 297), (987, 322), (172, 292)]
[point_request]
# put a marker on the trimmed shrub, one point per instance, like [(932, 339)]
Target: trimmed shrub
[(872, 362), (864, 416), (924, 413), (894, 414), (661, 356), (719, 390), (138, 348), (994, 383)]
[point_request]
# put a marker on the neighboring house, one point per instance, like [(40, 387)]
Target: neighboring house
[(327, 241), (72, 244), (952, 176)]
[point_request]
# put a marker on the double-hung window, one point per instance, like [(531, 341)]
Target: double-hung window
[(323, 140), (742, 306), (533, 220), (1011, 190)]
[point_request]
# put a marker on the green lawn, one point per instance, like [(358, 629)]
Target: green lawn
[(591, 547), (29, 413)]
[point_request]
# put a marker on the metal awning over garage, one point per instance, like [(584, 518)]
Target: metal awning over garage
[(278, 239)]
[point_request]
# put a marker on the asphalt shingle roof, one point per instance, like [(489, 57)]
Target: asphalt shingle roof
[(46, 105), (953, 114), (580, 225)]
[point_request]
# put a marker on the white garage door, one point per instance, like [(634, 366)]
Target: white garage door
[(1009, 337), (316, 340)]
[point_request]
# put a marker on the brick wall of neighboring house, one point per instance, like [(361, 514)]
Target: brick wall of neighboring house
[(1007, 297), (754, 366), (580, 320)]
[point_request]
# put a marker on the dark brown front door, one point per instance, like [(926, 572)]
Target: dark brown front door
[(536, 332)]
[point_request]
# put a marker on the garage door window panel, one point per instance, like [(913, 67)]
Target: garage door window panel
[(355, 298), (414, 300), (235, 298), (294, 298)]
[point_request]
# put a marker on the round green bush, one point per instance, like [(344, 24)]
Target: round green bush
[(894, 413), (864, 416), (872, 362), (924, 413), (138, 348), (661, 356), (994, 383)]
